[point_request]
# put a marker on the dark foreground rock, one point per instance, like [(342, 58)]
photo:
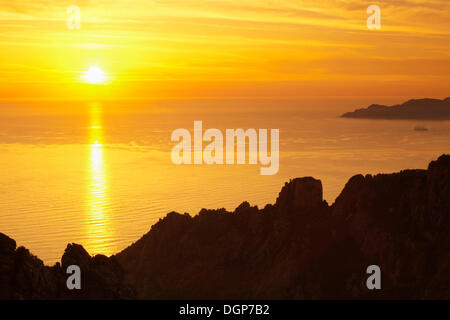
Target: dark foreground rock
[(24, 276), (298, 248)]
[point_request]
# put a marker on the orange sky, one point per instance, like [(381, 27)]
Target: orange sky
[(230, 48)]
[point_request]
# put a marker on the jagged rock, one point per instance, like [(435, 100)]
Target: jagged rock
[(102, 277), (7, 261), (7, 245), (302, 248), (299, 248), (22, 275), (75, 254), (301, 193)]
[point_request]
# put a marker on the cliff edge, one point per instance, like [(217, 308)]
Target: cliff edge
[(298, 248)]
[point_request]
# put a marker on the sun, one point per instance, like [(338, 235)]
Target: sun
[(95, 75)]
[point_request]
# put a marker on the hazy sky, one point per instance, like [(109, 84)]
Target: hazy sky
[(229, 48)]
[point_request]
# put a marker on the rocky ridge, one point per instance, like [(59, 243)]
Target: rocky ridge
[(298, 248)]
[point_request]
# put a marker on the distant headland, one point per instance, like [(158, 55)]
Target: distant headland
[(415, 109)]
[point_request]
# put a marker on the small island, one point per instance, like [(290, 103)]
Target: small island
[(416, 109)]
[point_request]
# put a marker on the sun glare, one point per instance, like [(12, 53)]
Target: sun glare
[(95, 75)]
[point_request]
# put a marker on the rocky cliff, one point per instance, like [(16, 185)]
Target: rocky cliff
[(298, 248), (24, 276)]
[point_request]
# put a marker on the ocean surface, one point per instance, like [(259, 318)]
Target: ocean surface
[(101, 175)]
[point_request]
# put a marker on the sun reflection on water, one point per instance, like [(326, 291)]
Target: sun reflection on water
[(98, 224)]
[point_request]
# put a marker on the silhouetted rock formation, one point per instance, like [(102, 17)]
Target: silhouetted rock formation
[(298, 248), (102, 277), (421, 109), (23, 276)]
